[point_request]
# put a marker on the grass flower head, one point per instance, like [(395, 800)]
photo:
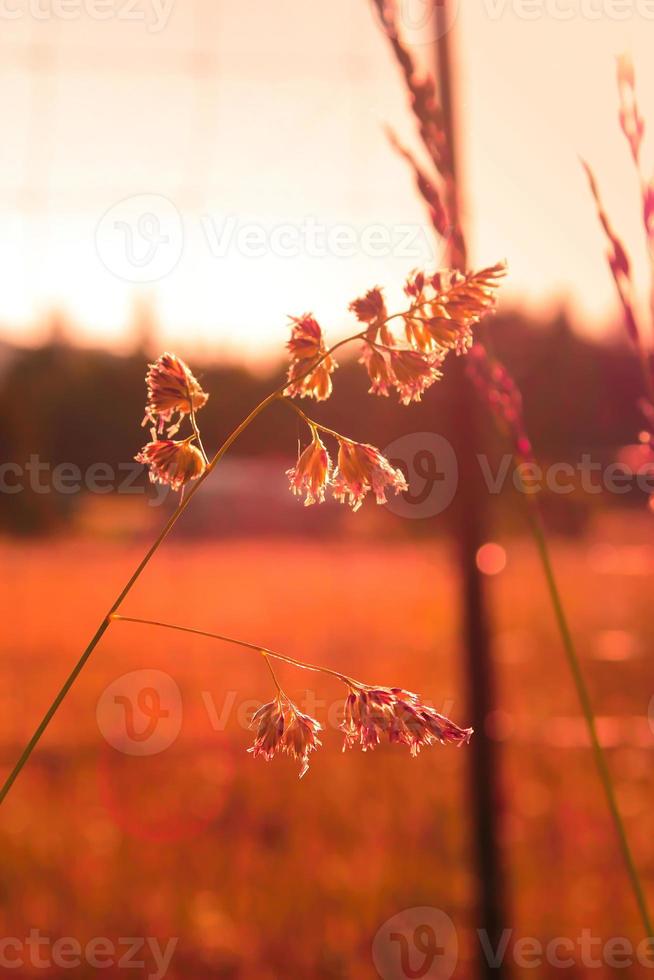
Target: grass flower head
[(362, 468), (312, 472), (173, 390), (171, 462), (307, 347)]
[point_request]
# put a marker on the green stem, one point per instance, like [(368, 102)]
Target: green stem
[(163, 534), (536, 524)]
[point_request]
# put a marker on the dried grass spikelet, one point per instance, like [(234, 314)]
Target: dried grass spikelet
[(410, 372), (618, 260), (269, 724), (426, 188), (300, 737), (413, 372), (375, 714), (446, 306), (173, 390), (282, 728), (501, 394), (312, 473), (307, 347), (171, 462), (631, 121), (371, 309), (422, 92), (362, 468), (379, 372)]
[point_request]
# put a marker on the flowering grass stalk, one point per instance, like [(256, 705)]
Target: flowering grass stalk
[(632, 125), (492, 380), (175, 396), (371, 713)]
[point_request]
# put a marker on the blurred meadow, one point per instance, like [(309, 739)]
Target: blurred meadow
[(257, 873)]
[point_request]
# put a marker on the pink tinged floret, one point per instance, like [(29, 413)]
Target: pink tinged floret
[(370, 308), (173, 390), (310, 369), (172, 463), (268, 722), (378, 370), (312, 473), (300, 737), (413, 372), (362, 468), (376, 714), (282, 728), (447, 305)]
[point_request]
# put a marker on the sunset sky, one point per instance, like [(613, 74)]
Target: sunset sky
[(245, 142)]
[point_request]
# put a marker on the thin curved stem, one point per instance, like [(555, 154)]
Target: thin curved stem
[(312, 422), (195, 427), (243, 643), (574, 664), (266, 657), (163, 534)]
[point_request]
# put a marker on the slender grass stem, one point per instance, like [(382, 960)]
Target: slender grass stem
[(273, 675), (163, 534), (243, 643), (312, 422), (572, 656)]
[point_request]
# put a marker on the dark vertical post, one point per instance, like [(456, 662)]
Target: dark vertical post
[(471, 532)]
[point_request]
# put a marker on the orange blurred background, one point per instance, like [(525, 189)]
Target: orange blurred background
[(186, 176)]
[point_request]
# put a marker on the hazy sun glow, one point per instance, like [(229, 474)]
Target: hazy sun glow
[(247, 142)]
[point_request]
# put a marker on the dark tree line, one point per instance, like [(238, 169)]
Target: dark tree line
[(67, 404)]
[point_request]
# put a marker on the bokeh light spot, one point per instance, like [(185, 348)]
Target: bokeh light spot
[(491, 558)]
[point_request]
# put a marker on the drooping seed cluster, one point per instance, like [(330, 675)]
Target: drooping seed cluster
[(375, 714), (371, 715), (173, 390), (361, 468), (311, 367), (173, 394), (441, 312), (281, 727)]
